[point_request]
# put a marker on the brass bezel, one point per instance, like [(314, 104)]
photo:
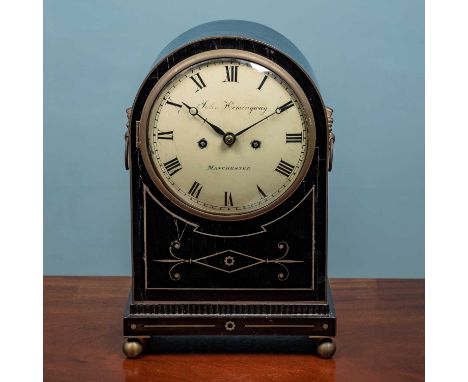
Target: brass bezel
[(142, 138)]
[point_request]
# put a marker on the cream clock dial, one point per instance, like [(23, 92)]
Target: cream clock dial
[(228, 137)]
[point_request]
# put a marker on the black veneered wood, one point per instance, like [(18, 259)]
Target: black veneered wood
[(193, 282)]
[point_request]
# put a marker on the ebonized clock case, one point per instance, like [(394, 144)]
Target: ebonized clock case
[(278, 283)]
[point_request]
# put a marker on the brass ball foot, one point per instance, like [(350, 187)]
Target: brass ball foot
[(326, 348), (132, 348)]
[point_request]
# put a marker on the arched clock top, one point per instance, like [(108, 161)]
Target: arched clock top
[(245, 36)]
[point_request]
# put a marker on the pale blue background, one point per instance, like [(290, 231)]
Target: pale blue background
[(368, 57)]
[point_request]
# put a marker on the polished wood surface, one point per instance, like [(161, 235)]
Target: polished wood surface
[(380, 338)]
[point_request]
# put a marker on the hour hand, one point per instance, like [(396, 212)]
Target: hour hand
[(194, 111)]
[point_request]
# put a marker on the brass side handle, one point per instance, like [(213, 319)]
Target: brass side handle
[(331, 142), (126, 151), (127, 139), (331, 137)]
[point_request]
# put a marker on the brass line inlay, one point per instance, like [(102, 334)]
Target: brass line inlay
[(147, 192), (243, 302), (179, 326), (279, 326)]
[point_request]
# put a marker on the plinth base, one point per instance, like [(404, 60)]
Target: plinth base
[(143, 320)]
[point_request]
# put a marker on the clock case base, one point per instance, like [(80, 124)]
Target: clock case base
[(144, 320)]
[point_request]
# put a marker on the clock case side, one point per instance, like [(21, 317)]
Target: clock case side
[(192, 45)]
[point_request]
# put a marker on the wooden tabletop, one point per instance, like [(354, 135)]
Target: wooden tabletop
[(380, 338)]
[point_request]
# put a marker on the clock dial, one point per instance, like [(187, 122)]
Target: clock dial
[(229, 138)]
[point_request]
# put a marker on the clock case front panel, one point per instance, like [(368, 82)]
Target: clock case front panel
[(188, 267)]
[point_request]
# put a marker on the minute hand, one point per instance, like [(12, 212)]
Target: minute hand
[(278, 110)]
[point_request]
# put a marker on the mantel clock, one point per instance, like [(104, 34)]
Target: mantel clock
[(229, 145)]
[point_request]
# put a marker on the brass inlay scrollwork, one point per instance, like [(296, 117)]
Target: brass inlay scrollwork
[(229, 260)]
